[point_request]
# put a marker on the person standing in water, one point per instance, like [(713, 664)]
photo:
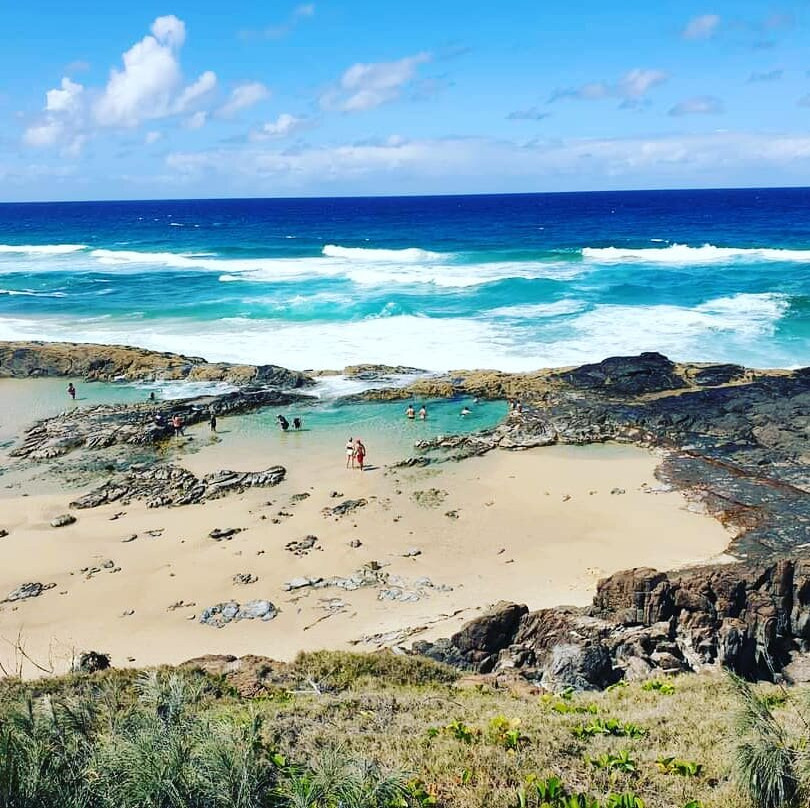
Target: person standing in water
[(359, 452), (71, 391), (423, 412), (410, 412), (283, 423), (350, 453)]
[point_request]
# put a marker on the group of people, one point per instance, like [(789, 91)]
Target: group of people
[(355, 453), (285, 424), (410, 413)]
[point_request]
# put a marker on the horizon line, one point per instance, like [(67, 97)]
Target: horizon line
[(408, 196)]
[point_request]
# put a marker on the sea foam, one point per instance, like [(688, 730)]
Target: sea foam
[(684, 254)]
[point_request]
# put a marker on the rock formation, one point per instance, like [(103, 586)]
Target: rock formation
[(753, 619), (110, 363), (163, 485), (137, 424)]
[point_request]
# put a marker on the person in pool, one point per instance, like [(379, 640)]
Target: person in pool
[(71, 391), (350, 453), (466, 410), (410, 412), (297, 423), (283, 423), (423, 412)]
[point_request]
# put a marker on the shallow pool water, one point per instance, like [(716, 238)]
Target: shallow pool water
[(377, 422)]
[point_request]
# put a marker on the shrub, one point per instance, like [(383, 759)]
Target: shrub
[(611, 726), (340, 670)]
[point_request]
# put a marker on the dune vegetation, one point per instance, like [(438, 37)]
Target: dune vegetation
[(377, 731)]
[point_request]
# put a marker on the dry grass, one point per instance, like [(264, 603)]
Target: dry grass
[(472, 743)]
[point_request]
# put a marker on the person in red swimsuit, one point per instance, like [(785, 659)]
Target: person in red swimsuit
[(359, 452)]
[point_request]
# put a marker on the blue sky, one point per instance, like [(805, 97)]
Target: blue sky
[(339, 97)]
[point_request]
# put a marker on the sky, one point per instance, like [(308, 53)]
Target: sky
[(200, 98)]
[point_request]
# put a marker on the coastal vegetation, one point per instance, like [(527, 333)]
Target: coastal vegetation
[(355, 730)]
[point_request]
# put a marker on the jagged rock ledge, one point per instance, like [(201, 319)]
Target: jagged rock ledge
[(753, 619), (110, 363), (739, 443), (137, 424), (164, 485)]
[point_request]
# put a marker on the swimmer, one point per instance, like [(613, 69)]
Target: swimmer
[(410, 412)]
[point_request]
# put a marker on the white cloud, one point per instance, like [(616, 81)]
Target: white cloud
[(150, 85), (197, 120), (199, 89), (482, 163), (299, 13), (152, 137), (284, 126), (60, 121), (638, 82), (242, 97), (632, 87), (47, 133), (366, 85), (698, 105), (702, 27), (67, 99)]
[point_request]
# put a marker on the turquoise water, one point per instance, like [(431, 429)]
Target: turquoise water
[(22, 403), (510, 282), (374, 423)]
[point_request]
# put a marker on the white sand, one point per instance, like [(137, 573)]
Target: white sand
[(538, 527)]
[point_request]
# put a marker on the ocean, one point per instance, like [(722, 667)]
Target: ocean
[(514, 282)]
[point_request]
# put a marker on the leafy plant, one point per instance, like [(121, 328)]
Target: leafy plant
[(626, 800), (659, 686), (620, 762), (686, 768), (610, 726), (506, 732), (458, 730)]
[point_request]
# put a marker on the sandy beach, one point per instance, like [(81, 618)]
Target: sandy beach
[(538, 527)]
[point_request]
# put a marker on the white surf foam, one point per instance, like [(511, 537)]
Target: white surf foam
[(41, 249), (684, 254), (537, 310), (29, 293), (409, 255)]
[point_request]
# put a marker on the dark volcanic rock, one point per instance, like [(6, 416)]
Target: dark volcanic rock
[(347, 506), (626, 375), (714, 375), (26, 591), (169, 485), (119, 362)]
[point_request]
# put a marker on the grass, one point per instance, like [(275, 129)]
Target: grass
[(368, 731)]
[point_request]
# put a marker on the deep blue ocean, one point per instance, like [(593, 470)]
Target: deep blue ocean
[(512, 282)]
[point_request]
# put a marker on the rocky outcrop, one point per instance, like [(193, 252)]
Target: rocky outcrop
[(623, 375), (123, 363), (142, 424), (754, 620), (736, 440), (164, 485)]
